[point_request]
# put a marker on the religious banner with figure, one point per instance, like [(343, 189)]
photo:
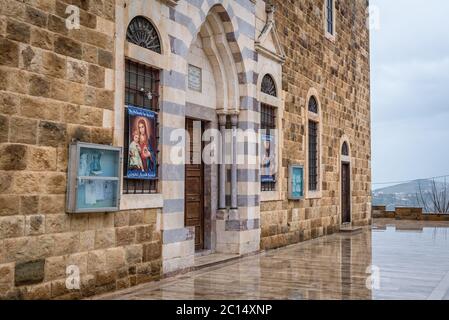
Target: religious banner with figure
[(268, 158), (142, 156)]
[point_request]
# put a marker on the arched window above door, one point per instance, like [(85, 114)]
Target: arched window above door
[(141, 32), (268, 86), (345, 149), (313, 105)]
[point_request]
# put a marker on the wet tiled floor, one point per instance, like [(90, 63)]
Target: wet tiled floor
[(394, 260)]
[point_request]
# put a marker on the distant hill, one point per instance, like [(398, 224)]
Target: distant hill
[(409, 187), (403, 195)]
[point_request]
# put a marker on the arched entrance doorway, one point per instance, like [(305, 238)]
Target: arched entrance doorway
[(212, 94)]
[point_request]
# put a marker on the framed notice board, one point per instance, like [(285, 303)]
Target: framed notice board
[(296, 182), (93, 180)]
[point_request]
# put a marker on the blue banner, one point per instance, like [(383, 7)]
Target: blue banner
[(142, 147)]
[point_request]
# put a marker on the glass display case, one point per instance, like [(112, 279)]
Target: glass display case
[(296, 182), (93, 183)]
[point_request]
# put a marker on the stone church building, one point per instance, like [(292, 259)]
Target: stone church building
[(73, 70)]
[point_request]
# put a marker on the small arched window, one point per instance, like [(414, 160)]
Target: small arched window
[(268, 86), (141, 32), (313, 105), (345, 149)]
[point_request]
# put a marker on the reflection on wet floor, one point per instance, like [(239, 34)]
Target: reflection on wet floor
[(413, 259), (404, 261)]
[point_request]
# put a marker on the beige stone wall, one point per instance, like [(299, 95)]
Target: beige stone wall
[(57, 85), (338, 70)]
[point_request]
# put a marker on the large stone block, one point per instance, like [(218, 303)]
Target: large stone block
[(42, 39), (79, 133), (121, 219), (90, 53), (60, 90), (36, 17), (96, 76), (68, 47), (36, 292), (42, 159), (104, 238), (105, 99), (52, 134), (7, 273), (30, 272), (54, 65), (18, 31), (58, 223), (12, 227), (115, 258), (52, 204), (56, 183), (39, 86), (34, 225), (76, 71), (9, 205), (105, 59), (87, 240), (29, 205), (9, 55), (66, 243), (38, 108), (76, 93), (134, 254), (17, 81), (96, 261), (136, 217), (152, 251), (55, 268), (13, 157), (144, 233), (9, 103), (91, 116), (23, 130), (57, 24), (101, 135), (100, 40), (125, 236)]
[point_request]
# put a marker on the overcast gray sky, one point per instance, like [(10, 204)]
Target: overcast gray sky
[(410, 90)]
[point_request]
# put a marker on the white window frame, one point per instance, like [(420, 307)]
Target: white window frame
[(313, 194), (330, 36)]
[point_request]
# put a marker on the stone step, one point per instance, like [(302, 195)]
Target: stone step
[(350, 229)]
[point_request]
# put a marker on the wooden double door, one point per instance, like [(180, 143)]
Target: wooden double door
[(345, 192), (194, 181)]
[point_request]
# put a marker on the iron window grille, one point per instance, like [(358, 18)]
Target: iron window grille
[(141, 32), (313, 156), (268, 86), (267, 123), (330, 16), (142, 91)]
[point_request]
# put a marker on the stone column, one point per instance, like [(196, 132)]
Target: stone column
[(222, 182), (234, 187)]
